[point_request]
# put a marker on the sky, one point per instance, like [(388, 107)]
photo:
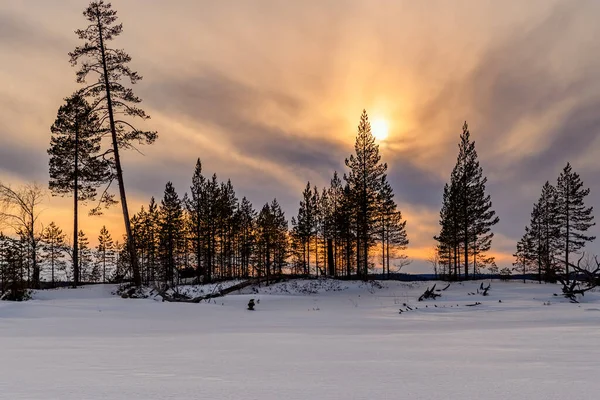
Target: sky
[(269, 94)]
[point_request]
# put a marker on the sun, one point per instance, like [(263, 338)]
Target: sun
[(379, 127)]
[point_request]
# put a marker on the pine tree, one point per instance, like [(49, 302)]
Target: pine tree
[(336, 199), (280, 237), (525, 255), (247, 239), (304, 227), (84, 257), (196, 208), (365, 179), (227, 204), (152, 238), (112, 100), (466, 217), (448, 237), (138, 229), (272, 240), (121, 260), (327, 232), (171, 232), (574, 218), (76, 167), (210, 218), (347, 223), (545, 224), (392, 228), (105, 251), (264, 235), (539, 245), (317, 226), (54, 247)]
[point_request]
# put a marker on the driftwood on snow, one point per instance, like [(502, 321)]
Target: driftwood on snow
[(583, 279), (484, 290), (429, 294)]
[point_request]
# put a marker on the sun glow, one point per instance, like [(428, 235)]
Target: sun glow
[(379, 127)]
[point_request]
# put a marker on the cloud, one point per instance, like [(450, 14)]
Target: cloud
[(21, 162), (17, 33), (249, 119)]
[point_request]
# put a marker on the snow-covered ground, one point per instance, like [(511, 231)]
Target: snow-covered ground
[(306, 340)]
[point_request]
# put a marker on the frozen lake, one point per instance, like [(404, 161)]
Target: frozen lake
[(347, 343)]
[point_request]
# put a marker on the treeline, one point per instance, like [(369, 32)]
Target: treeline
[(338, 228), (53, 262), (209, 234)]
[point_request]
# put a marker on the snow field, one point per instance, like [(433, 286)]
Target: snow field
[(306, 340)]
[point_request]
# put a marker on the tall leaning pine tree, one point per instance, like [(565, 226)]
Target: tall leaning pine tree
[(574, 218), (114, 103), (365, 179)]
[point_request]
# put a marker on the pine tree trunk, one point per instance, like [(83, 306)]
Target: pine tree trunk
[(387, 242), (383, 247), (348, 254), (52, 261), (75, 210), (34, 262), (567, 238), (330, 258), (316, 255), (198, 248), (305, 265), (308, 250), (466, 244)]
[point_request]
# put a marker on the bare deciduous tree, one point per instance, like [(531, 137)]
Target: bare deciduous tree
[(20, 209), (434, 260)]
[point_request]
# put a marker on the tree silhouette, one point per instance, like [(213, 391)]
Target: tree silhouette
[(365, 179), (466, 217), (54, 247), (112, 101), (574, 217), (76, 165)]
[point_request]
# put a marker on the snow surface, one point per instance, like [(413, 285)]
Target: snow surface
[(306, 340)]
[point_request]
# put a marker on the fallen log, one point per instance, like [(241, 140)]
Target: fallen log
[(178, 298)]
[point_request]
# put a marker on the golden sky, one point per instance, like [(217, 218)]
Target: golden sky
[(269, 93)]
